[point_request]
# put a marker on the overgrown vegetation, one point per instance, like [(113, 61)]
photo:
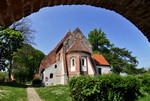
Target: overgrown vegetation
[(3, 75), (109, 88), (10, 41), (86, 88), (145, 86), (17, 55), (54, 93), (13, 91), (26, 62), (120, 59), (100, 88)]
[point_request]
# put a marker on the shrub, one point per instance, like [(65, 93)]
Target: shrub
[(104, 88), (36, 81), (3, 75), (145, 82), (82, 88)]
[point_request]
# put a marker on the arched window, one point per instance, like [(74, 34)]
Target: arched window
[(55, 66), (51, 76), (83, 64), (72, 62), (46, 79)]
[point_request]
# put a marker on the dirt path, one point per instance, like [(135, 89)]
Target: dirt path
[(32, 94)]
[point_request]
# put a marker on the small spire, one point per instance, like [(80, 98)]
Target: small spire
[(77, 30), (69, 30)]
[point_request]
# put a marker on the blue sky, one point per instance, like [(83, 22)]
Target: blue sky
[(52, 23)]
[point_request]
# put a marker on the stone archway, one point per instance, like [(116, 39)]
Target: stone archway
[(136, 11)]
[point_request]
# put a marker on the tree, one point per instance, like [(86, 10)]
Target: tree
[(2, 52), (98, 40), (26, 62), (148, 70), (10, 41), (120, 59), (24, 26)]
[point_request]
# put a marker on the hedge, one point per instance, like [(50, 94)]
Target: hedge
[(145, 82), (104, 88)]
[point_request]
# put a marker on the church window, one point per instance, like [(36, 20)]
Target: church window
[(55, 66), (46, 79), (72, 61), (51, 76), (83, 64)]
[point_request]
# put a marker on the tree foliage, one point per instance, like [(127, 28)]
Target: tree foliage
[(120, 59), (26, 62), (10, 41), (98, 40), (24, 26)]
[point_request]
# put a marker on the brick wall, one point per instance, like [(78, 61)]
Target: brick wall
[(136, 11)]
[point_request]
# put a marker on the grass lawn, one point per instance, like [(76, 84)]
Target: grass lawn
[(9, 92), (54, 93)]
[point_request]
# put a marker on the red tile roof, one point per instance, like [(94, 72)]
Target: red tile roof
[(100, 60), (51, 57)]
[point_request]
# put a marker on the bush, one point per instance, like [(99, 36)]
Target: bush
[(3, 75), (36, 81), (145, 82), (104, 88)]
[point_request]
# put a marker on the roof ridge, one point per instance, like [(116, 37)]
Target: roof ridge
[(77, 30), (63, 39), (49, 56)]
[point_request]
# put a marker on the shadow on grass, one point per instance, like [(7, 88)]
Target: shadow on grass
[(13, 84), (37, 85), (19, 85)]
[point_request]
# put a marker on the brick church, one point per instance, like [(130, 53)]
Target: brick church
[(72, 56)]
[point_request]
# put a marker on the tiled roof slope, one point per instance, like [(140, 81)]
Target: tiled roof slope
[(78, 46), (100, 60), (51, 57)]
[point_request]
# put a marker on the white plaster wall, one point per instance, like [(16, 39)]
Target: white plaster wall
[(64, 77), (56, 74), (90, 70), (104, 69)]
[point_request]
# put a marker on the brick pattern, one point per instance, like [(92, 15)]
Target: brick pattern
[(52, 56), (77, 57), (136, 11), (74, 44)]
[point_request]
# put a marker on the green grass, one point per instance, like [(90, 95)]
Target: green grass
[(11, 92), (54, 93)]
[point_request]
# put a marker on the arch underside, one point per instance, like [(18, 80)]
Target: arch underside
[(136, 11)]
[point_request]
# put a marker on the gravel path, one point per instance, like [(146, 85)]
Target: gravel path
[(32, 94)]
